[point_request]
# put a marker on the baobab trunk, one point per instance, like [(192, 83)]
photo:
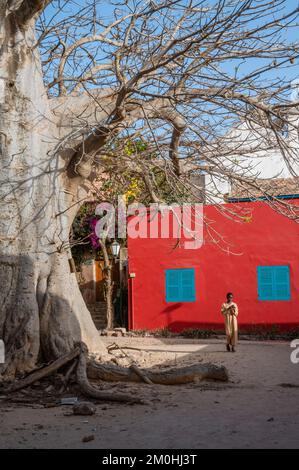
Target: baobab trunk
[(42, 313)]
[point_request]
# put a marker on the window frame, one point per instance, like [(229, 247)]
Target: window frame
[(275, 297), (180, 296)]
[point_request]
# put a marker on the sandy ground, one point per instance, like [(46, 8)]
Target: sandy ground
[(253, 410)]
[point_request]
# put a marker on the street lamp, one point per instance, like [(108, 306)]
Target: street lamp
[(115, 247)]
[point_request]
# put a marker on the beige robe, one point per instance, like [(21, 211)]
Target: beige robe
[(230, 312)]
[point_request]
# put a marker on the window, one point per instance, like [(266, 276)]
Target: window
[(273, 282), (180, 285)]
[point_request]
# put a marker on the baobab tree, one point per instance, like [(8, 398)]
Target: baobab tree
[(75, 76)]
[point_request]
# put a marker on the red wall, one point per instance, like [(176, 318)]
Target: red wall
[(226, 262)]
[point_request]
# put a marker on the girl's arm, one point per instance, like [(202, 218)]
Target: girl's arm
[(235, 310)]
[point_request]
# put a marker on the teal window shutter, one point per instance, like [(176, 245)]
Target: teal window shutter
[(180, 285), (265, 283), (282, 283), (273, 282), (172, 285), (187, 285)]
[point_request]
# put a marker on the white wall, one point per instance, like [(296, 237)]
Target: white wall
[(255, 154)]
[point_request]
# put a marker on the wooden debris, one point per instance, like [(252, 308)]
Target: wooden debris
[(45, 371)]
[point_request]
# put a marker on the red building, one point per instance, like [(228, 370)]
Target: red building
[(256, 258)]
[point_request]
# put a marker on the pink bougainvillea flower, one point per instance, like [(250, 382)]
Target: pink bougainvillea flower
[(94, 240)]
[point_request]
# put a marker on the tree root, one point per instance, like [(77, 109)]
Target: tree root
[(43, 372), (107, 372), (87, 389), (173, 376)]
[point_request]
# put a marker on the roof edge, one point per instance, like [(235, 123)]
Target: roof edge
[(262, 198)]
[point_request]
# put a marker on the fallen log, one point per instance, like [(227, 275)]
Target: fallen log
[(173, 376)]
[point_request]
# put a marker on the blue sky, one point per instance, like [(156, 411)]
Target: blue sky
[(290, 34)]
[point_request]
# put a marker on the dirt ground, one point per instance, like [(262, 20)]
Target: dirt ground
[(257, 408)]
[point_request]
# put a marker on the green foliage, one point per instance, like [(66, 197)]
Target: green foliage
[(163, 333), (157, 333), (81, 228), (258, 333), (199, 333), (80, 235), (273, 332), (134, 146)]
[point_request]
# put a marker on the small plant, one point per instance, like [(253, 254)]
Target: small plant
[(266, 333), (141, 333), (157, 333), (163, 333), (199, 333)]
